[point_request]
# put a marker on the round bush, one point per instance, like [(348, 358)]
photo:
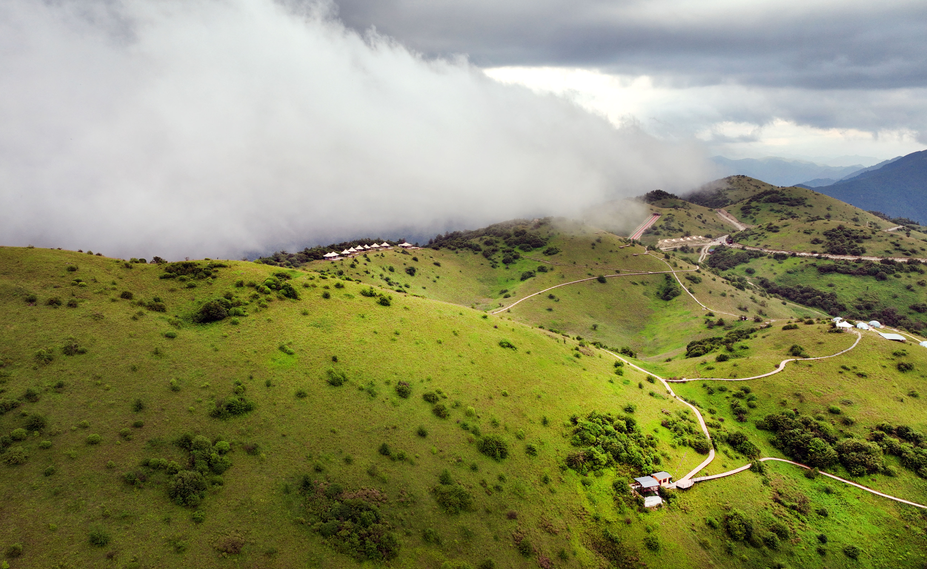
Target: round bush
[(98, 537), (403, 389), (94, 439), (19, 434), (493, 446), (187, 488)]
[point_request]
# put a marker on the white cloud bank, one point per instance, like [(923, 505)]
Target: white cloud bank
[(220, 127)]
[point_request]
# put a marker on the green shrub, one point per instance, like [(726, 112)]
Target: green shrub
[(170, 334), (506, 344), (198, 517), (336, 377), (98, 537), (231, 407), (211, 311), (493, 446), (430, 396), (15, 456), (138, 405), (452, 498), (127, 295), (441, 411), (19, 434), (54, 302), (16, 549), (652, 542), (403, 389), (36, 422), (301, 393), (851, 551), (187, 488), (422, 432), (94, 439), (524, 547)]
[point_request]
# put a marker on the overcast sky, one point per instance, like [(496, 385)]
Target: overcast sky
[(218, 128), (225, 127), (797, 78)]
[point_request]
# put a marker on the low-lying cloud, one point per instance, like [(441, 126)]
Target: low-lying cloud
[(217, 128)]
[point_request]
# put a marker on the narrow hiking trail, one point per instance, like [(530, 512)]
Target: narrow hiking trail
[(730, 219), (806, 467), (517, 302), (827, 256), (778, 369), (698, 415)]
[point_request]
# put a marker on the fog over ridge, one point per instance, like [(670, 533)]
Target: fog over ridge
[(216, 128)]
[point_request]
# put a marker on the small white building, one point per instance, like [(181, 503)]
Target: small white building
[(924, 344), (836, 319), (874, 324), (862, 325), (653, 501)]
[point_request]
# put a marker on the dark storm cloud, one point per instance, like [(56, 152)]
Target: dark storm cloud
[(218, 127), (812, 44)]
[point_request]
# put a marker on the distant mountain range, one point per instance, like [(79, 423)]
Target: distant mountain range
[(785, 172), (897, 187)]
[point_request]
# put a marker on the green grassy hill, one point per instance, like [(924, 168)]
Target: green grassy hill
[(213, 413), (802, 220)]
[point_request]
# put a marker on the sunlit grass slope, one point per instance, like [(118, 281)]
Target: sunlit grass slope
[(147, 377)]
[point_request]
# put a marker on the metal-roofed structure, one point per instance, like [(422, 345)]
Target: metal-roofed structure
[(892, 337)]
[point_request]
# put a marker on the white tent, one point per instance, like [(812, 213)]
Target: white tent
[(385, 244), (874, 324), (923, 344), (345, 252), (844, 324), (862, 325), (405, 244), (836, 319), (374, 246), (330, 255)]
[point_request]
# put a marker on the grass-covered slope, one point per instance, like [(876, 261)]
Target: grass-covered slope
[(803, 220), (214, 413), (284, 410), (623, 308)]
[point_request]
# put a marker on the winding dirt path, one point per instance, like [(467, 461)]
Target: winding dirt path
[(730, 219), (701, 420), (845, 481), (775, 371), (517, 302)]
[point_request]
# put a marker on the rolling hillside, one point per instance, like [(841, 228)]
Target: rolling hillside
[(445, 407)]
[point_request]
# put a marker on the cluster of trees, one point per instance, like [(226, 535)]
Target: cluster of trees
[(505, 237), (604, 440), (668, 289), (845, 241), (809, 296), (350, 522), (701, 347), (816, 444), (725, 258), (879, 270), (904, 442)]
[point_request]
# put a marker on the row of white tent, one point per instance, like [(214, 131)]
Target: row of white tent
[(362, 249)]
